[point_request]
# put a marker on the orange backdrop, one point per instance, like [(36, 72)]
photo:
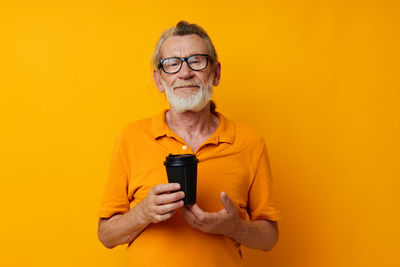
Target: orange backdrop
[(318, 79)]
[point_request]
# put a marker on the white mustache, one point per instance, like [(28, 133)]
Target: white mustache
[(186, 84)]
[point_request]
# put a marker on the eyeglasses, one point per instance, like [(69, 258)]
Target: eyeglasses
[(172, 65)]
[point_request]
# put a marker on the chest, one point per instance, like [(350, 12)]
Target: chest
[(219, 169), (194, 142)]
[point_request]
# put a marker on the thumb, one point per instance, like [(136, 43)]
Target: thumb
[(227, 202)]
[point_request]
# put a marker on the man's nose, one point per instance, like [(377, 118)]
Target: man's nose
[(185, 72)]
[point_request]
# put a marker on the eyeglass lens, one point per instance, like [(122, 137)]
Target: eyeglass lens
[(195, 62)]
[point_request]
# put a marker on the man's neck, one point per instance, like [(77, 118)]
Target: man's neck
[(192, 123)]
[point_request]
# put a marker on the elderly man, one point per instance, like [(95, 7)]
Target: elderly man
[(235, 204)]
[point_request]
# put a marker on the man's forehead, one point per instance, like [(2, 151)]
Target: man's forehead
[(183, 46)]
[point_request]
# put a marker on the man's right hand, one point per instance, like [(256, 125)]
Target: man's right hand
[(160, 204)]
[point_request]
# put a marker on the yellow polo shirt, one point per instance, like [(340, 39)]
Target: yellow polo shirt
[(234, 159)]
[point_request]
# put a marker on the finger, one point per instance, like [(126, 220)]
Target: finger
[(198, 212), (169, 198), (227, 202), (159, 218), (163, 188), (167, 208), (189, 214), (190, 218)]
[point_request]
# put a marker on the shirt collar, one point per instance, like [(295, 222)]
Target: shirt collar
[(225, 132)]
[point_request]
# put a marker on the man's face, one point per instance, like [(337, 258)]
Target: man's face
[(187, 89)]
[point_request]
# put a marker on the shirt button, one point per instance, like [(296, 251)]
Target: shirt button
[(184, 147)]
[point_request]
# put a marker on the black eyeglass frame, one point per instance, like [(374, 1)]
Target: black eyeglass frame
[(182, 59)]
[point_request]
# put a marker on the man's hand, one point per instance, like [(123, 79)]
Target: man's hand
[(159, 204), (224, 222), (261, 234)]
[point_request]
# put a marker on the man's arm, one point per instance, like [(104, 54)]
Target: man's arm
[(159, 205), (261, 234)]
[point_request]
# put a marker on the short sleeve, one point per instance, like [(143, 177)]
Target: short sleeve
[(262, 204), (115, 198)]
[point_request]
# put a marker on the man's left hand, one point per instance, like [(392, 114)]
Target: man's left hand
[(224, 222)]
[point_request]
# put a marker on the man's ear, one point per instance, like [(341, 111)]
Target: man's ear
[(157, 79), (217, 72)]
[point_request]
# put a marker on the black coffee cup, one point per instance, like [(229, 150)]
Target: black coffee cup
[(182, 169)]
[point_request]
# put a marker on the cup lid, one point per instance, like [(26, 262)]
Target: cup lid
[(180, 160)]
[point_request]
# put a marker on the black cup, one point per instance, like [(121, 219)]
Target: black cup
[(182, 169)]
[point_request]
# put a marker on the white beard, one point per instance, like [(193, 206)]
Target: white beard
[(194, 102)]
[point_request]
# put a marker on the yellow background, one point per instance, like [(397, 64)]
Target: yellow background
[(318, 79)]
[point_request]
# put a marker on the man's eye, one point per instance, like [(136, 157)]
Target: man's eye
[(172, 64)]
